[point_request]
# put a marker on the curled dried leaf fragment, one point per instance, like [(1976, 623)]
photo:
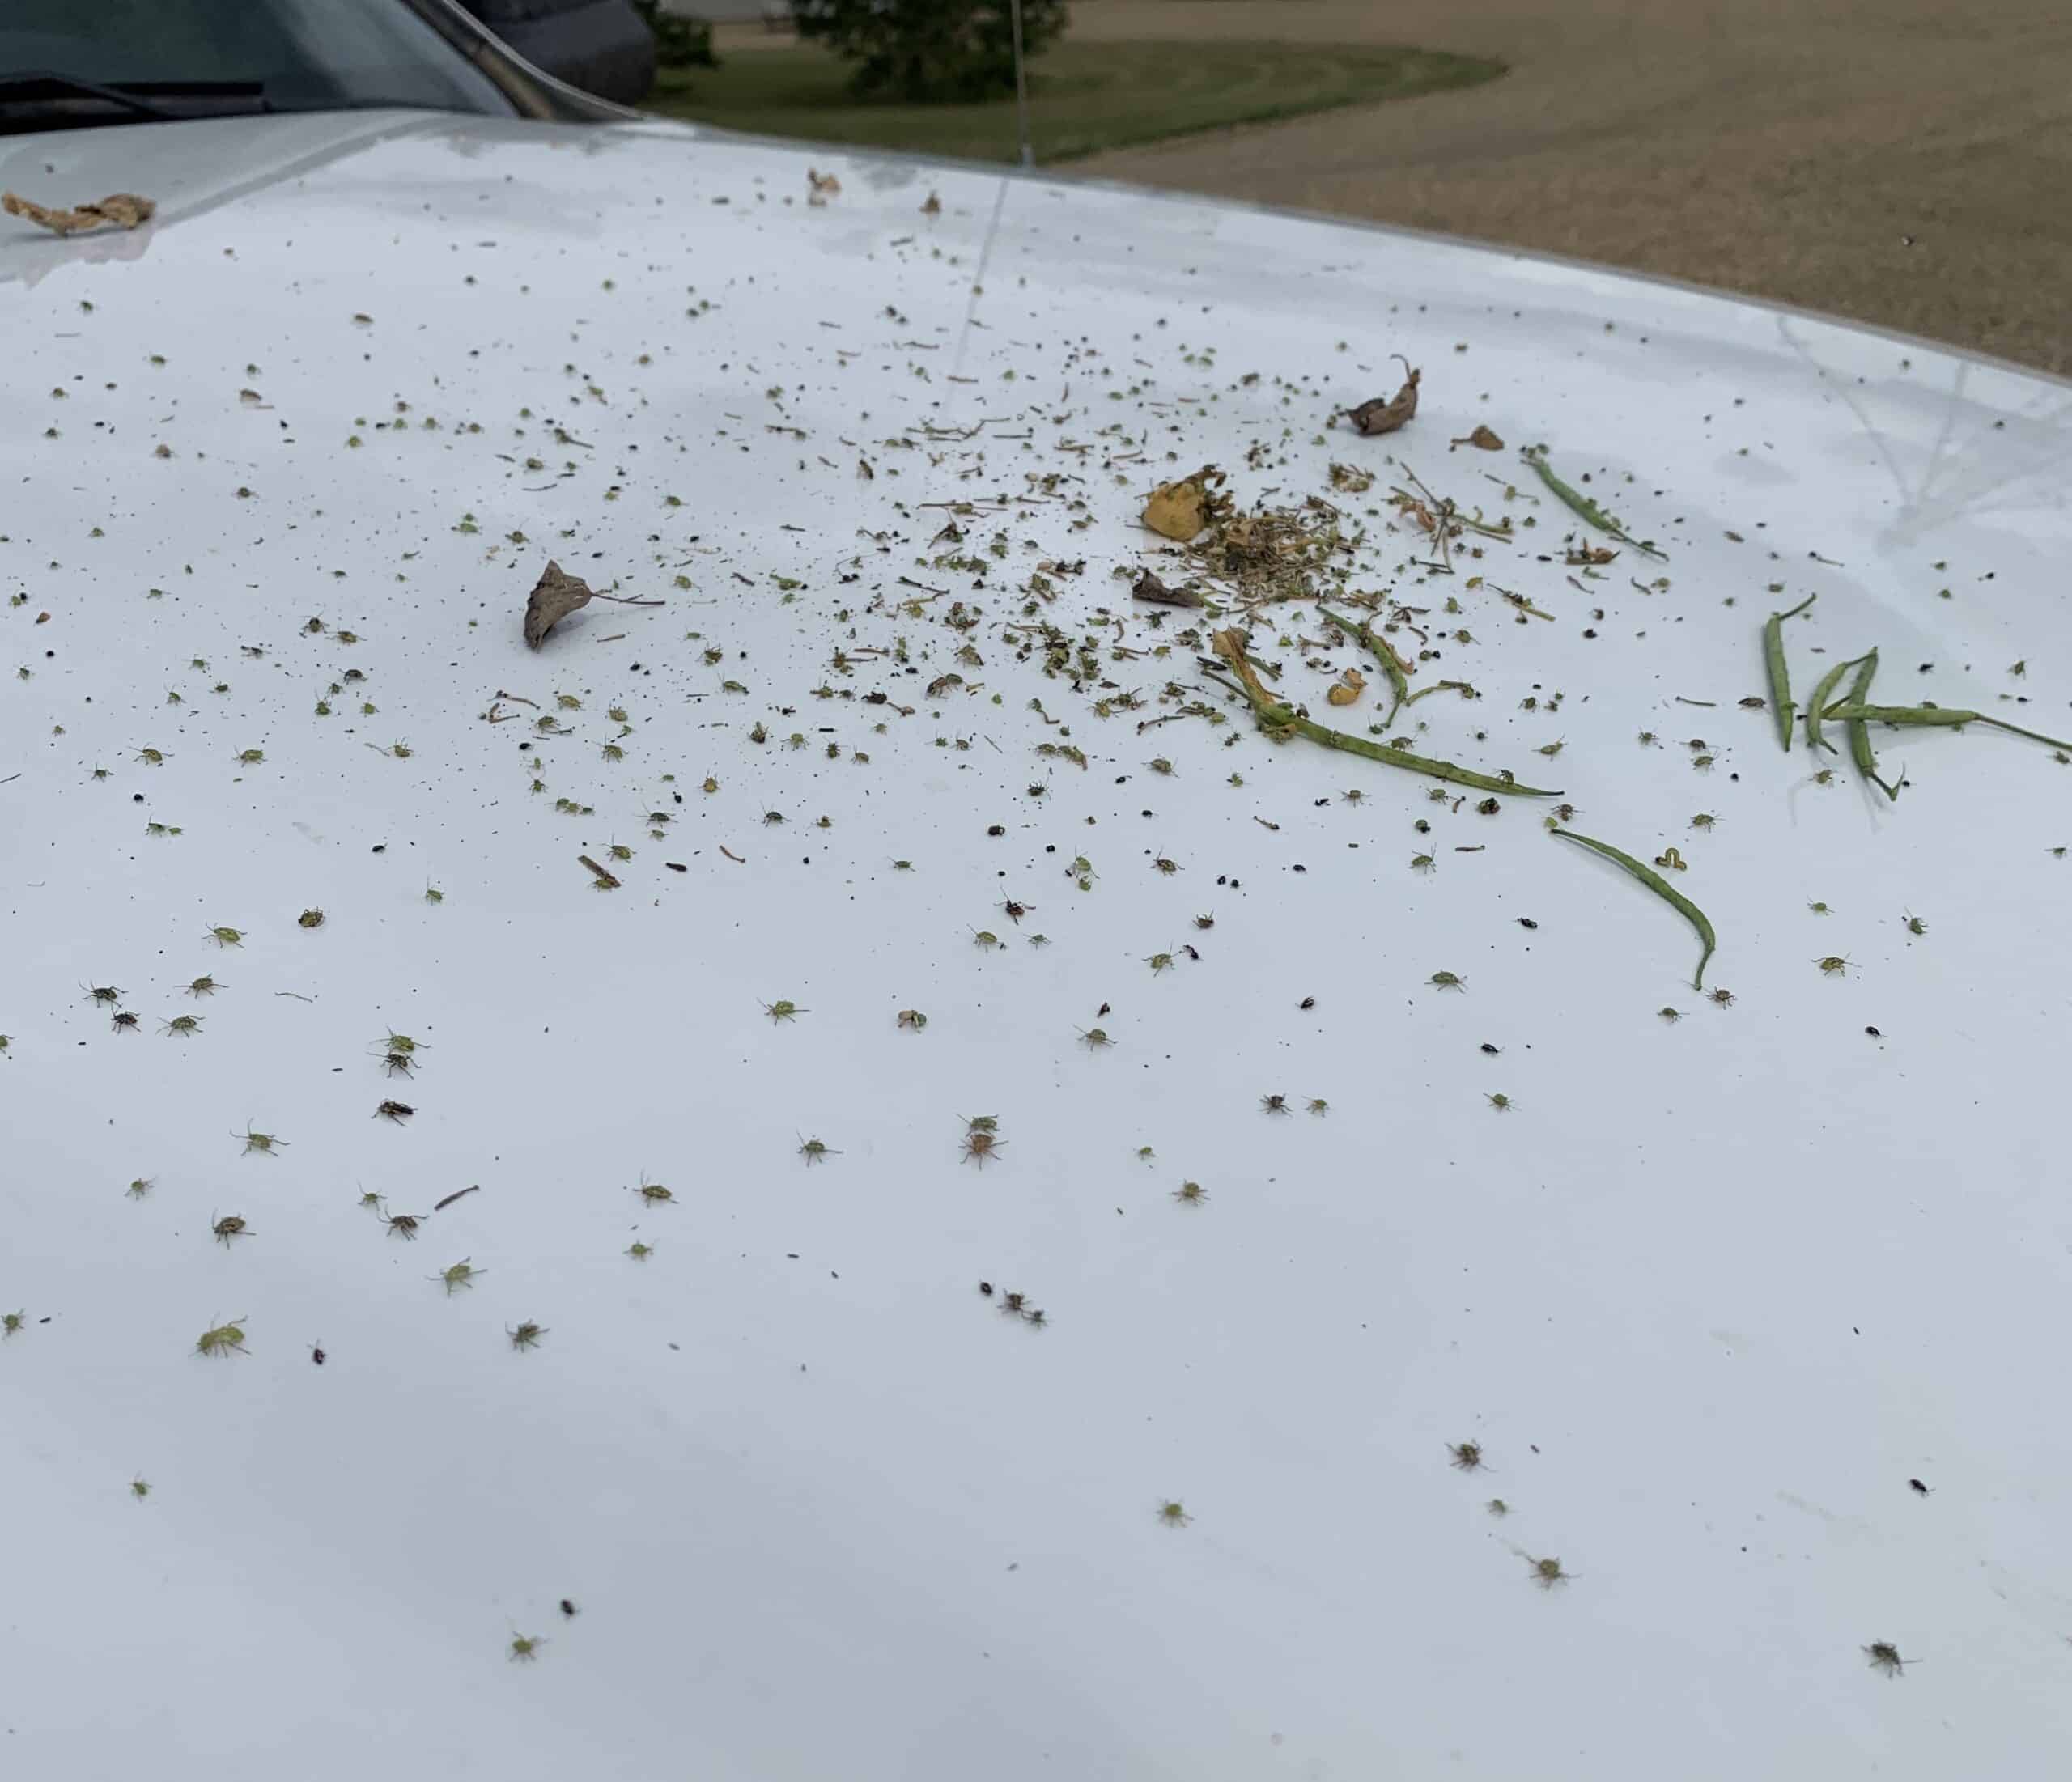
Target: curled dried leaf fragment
[(1385, 414), (124, 209), (555, 596), (1148, 587)]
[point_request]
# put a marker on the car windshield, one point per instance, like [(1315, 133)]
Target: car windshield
[(63, 63)]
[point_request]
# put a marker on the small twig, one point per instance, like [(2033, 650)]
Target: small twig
[(731, 855), (298, 996), (440, 1206), (605, 880)]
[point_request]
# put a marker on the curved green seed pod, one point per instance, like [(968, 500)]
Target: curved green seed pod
[(1378, 648), (1936, 717), (1282, 720), (1859, 732), (1663, 888), (1816, 708), (1779, 674)]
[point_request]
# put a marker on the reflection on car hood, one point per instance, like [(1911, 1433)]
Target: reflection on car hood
[(1704, 1285)]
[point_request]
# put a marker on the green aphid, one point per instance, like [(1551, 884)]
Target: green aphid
[(1447, 980), (185, 1026), (13, 1323), (264, 1142), (225, 937), (783, 1011), (223, 1339), (525, 1336), (462, 1274), (251, 757)]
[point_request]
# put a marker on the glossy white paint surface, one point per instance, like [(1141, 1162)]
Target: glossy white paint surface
[(1707, 1296)]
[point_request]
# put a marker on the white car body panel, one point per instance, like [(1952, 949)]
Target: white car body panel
[(1708, 1295)]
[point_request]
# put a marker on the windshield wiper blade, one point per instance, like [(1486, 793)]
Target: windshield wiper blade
[(141, 98), (39, 84)]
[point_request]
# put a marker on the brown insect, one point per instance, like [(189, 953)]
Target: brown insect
[(1274, 1104), (396, 1111), (980, 1143), (402, 1224), (126, 1022)]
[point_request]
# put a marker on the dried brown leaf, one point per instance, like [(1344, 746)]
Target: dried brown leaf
[(554, 597), (1484, 437), (125, 209), (1384, 415), (1148, 587)]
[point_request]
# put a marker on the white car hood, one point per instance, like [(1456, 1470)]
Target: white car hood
[(1707, 1295)]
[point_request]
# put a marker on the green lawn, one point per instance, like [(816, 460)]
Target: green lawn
[(1082, 97)]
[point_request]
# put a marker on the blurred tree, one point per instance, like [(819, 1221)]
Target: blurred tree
[(679, 42), (930, 50)]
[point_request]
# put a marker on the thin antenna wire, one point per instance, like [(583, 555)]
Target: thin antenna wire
[(1022, 88)]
